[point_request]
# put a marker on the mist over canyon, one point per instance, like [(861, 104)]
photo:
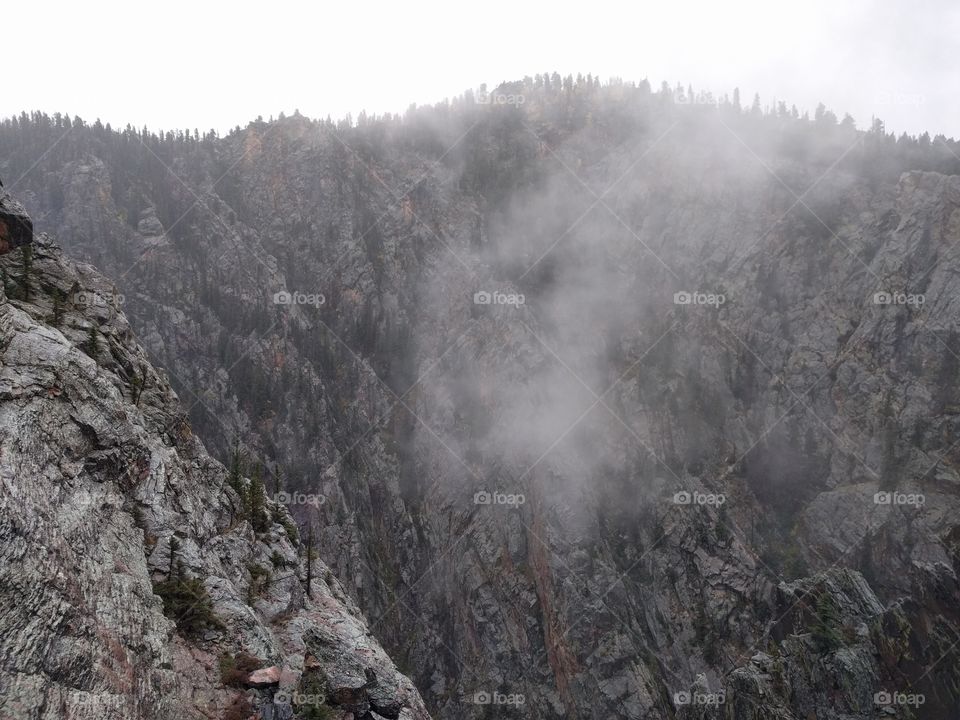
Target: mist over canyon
[(561, 399)]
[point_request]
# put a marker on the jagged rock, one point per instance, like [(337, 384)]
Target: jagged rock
[(264, 677), (150, 225), (16, 227), (98, 472)]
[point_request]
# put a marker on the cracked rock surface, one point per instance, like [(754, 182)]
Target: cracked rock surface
[(97, 475)]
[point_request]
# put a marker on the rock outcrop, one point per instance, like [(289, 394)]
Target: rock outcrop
[(16, 227), (134, 579)]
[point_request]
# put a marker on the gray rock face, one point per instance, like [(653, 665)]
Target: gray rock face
[(525, 497), (16, 227), (99, 472)]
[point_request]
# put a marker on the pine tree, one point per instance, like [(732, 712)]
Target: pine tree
[(826, 623), (889, 466), (310, 556), (277, 482), (138, 384), (57, 308), (174, 547), (135, 389), (26, 269), (256, 508), (93, 341), (235, 478)]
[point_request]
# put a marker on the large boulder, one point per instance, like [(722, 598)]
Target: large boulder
[(264, 677), (16, 227)]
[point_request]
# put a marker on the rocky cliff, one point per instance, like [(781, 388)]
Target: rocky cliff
[(136, 581), (16, 227), (618, 406)]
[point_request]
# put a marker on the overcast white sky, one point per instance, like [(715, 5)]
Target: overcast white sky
[(175, 64)]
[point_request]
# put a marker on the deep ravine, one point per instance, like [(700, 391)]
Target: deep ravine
[(555, 471)]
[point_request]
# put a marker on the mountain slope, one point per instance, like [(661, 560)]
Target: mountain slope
[(106, 496), (620, 586)]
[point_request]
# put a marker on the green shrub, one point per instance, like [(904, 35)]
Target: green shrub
[(234, 669), (259, 582), (315, 712), (92, 347), (58, 300), (187, 602), (256, 502), (291, 529), (826, 628), (312, 687), (26, 267), (239, 709)]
